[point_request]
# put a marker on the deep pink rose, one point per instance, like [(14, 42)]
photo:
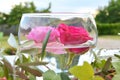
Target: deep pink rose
[(71, 35), (38, 34)]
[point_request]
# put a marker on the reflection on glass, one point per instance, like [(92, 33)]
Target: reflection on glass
[(71, 35)]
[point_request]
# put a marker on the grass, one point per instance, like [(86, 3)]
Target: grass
[(3, 42), (114, 37)]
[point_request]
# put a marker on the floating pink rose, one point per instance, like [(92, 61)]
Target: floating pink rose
[(55, 48), (71, 35), (38, 34)]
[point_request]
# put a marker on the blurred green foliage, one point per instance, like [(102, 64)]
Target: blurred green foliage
[(108, 18), (110, 13), (1, 35), (10, 51), (108, 28), (13, 18)]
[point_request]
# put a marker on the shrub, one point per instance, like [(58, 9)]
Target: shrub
[(108, 29)]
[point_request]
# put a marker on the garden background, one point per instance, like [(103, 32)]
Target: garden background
[(107, 21)]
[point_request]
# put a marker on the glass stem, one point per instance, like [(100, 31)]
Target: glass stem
[(70, 59)]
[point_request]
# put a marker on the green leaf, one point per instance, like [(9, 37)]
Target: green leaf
[(26, 58), (23, 58), (12, 41), (97, 78), (32, 63), (8, 65), (43, 53), (22, 75), (27, 43), (116, 65), (116, 55), (64, 76), (84, 72), (30, 50), (50, 75), (35, 72), (101, 63), (8, 69), (98, 62), (1, 70), (116, 77), (95, 54), (107, 65), (56, 77), (27, 47)]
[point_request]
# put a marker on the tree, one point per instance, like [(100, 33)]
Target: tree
[(110, 13), (15, 15), (17, 12), (3, 18)]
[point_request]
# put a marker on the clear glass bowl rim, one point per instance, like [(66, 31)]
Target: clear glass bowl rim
[(63, 14), (56, 14)]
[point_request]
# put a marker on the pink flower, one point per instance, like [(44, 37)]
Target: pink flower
[(55, 48), (38, 34), (4, 78), (71, 35), (52, 47)]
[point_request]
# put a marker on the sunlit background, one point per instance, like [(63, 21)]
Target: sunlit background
[(105, 12), (58, 5)]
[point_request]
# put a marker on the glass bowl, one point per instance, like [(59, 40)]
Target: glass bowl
[(63, 36)]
